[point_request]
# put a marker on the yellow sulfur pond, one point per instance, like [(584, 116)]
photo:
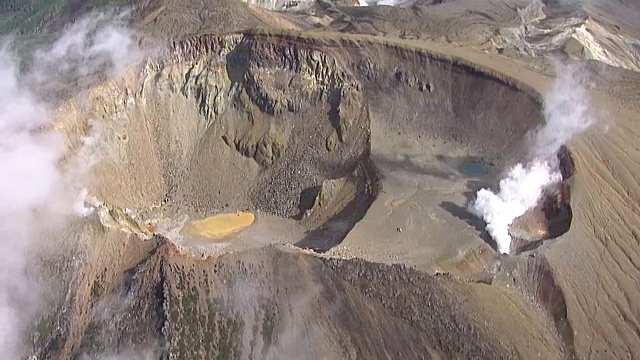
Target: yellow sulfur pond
[(218, 226)]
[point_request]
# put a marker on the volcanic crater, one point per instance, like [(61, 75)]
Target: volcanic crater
[(324, 144), (303, 133)]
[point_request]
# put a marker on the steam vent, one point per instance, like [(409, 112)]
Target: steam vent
[(322, 180)]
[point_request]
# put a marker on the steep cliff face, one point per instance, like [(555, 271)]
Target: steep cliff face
[(223, 124)]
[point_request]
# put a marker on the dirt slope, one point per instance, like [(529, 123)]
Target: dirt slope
[(597, 261)]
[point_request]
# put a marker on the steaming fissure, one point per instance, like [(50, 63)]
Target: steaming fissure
[(566, 113)]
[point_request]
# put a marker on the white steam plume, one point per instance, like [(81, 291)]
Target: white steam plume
[(33, 186), (29, 175), (519, 191), (100, 43), (566, 113)]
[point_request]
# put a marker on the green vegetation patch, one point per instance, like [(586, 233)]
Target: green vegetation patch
[(32, 17)]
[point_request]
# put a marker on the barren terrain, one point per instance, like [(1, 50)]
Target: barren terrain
[(340, 147)]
